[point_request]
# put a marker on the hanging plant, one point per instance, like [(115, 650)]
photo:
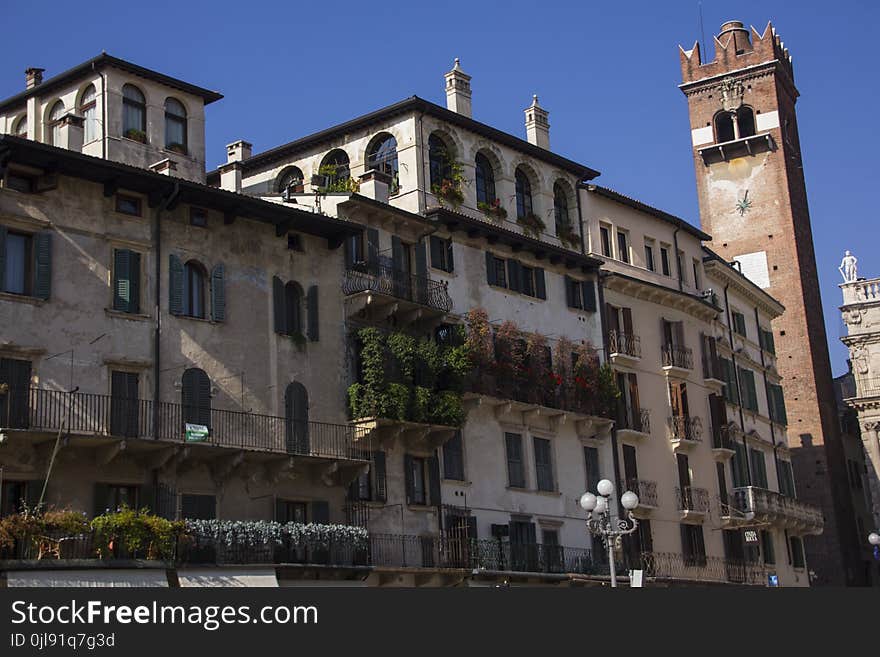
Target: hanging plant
[(403, 349), (448, 191), (494, 210), (532, 224), (542, 384), (568, 235)]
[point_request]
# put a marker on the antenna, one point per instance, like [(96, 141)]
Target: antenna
[(702, 31)]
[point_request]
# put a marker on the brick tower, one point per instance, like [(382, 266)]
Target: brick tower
[(753, 201)]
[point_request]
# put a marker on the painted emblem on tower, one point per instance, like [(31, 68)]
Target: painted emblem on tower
[(744, 204)]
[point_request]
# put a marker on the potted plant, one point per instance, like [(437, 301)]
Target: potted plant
[(448, 191), (568, 235), (532, 224), (136, 135), (494, 210), (176, 147)]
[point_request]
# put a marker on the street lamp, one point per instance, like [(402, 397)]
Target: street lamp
[(601, 522)]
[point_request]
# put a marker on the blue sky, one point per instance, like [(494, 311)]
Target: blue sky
[(607, 71)]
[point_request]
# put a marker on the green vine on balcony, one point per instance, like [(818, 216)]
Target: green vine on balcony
[(449, 190), (334, 184), (494, 210), (532, 224), (568, 235)]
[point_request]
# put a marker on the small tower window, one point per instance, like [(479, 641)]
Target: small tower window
[(730, 126)]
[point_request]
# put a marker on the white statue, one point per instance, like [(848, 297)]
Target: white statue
[(848, 268)]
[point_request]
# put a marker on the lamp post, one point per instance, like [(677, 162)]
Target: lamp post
[(602, 522)]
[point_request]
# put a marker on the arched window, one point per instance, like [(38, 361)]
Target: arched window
[(485, 179), (296, 413), (438, 160), (560, 208), (293, 298), (725, 130), (195, 396), (134, 114), (194, 289), (335, 169), (88, 110), (21, 127), (523, 194), (175, 125), (289, 177), (54, 126), (745, 119), (382, 156)]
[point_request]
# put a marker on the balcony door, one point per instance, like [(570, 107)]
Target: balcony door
[(684, 480), (630, 469), (678, 399), (523, 546), (15, 374), (402, 266), (124, 411), (296, 414)]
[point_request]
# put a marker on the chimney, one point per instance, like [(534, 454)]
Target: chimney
[(458, 90), (238, 151), (375, 185), (537, 125), (70, 132), (230, 176), (33, 77), (166, 167), (736, 33)]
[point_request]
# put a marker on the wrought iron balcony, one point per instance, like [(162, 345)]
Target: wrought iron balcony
[(701, 569), (397, 284), (692, 500), (777, 509), (684, 430), (624, 345), (646, 490), (674, 356), (95, 415), (637, 420)]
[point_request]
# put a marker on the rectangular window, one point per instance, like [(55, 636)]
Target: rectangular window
[(759, 468), (19, 264), (605, 240), (747, 390), (693, 548), (729, 373), (441, 254), (591, 461), (291, 511), (797, 552), (294, 242), (117, 497), (20, 183), (786, 479), (15, 494), (516, 472), (527, 278), (198, 507), (767, 547), (622, 246), (496, 270), (664, 261), (697, 274), (126, 281), (776, 402), (198, 217), (679, 262), (649, 256), (15, 398), (544, 464), (453, 458), (130, 205), (739, 324), (419, 493), (738, 466), (766, 339)]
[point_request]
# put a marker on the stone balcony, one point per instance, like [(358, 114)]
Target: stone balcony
[(766, 506)]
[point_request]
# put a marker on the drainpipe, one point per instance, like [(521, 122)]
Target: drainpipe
[(767, 395), (678, 263), (614, 449), (104, 128), (742, 420), (157, 351), (577, 194)]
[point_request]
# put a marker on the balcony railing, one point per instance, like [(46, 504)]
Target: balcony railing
[(634, 419), (774, 507), (624, 343), (722, 438), (675, 356), (104, 415), (646, 490), (563, 397), (398, 284), (864, 387), (682, 427), (695, 500), (701, 569), (712, 368)]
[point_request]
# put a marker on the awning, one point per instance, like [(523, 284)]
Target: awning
[(250, 577), (110, 577)]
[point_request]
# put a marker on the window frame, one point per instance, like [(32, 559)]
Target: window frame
[(180, 120), (484, 179), (605, 240), (28, 261), (650, 263), (511, 438), (135, 200), (523, 190), (547, 467), (456, 454), (665, 266), (623, 251), (140, 105), (194, 272)]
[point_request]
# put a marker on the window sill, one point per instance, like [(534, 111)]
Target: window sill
[(549, 493), (420, 507), (121, 314), (443, 272), (519, 489), (22, 298), (134, 141), (518, 294), (455, 482), (195, 319)]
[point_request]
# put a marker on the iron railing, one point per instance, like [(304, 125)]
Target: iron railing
[(646, 490), (566, 397), (634, 419), (624, 343), (682, 427), (396, 283), (722, 437), (692, 499), (712, 367), (105, 415), (776, 508), (699, 568), (676, 356)]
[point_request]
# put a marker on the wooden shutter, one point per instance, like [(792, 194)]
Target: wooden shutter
[(630, 468), (280, 510), (312, 310), (421, 259), (612, 318), (408, 477), (490, 269), (634, 392), (589, 292), (450, 261), (379, 476), (372, 247), (175, 285), (14, 403), (321, 512), (591, 461), (434, 480), (722, 483), (42, 265), (569, 296), (218, 293), (3, 232), (514, 275), (436, 252), (280, 317), (121, 280), (349, 252), (540, 283)]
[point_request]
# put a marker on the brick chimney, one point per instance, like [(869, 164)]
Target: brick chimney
[(458, 90), (537, 125), (33, 77), (238, 151)]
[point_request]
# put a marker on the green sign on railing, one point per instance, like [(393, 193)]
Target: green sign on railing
[(196, 433)]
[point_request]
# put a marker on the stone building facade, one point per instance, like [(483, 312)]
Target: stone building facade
[(753, 201)]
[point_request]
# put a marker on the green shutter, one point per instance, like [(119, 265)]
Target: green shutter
[(3, 231), (434, 480), (372, 246), (569, 296), (540, 284), (514, 275), (490, 269), (218, 293), (121, 280), (43, 265), (134, 282), (396, 253), (450, 261), (589, 291), (175, 285), (278, 314), (312, 310), (421, 260)]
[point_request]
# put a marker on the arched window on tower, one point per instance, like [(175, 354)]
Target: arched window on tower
[(523, 194), (728, 130), (291, 179), (560, 209), (382, 156), (438, 160), (745, 119), (335, 169), (485, 179)]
